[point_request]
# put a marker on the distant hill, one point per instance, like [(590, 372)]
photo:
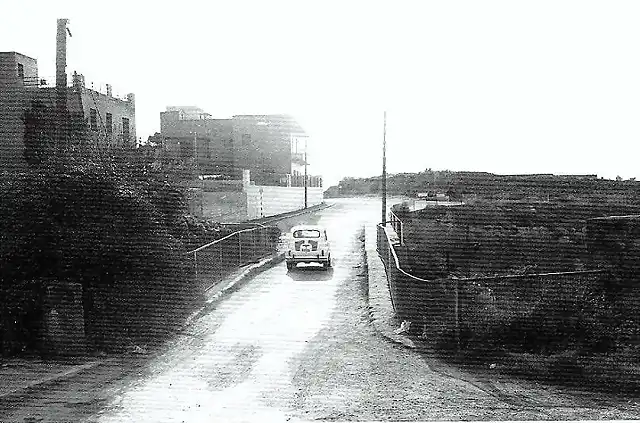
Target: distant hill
[(483, 185)]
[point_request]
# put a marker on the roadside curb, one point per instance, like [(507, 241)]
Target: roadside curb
[(233, 285), (51, 380), (381, 313)]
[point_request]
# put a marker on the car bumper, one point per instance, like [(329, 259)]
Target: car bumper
[(306, 258)]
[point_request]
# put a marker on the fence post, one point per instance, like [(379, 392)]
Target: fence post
[(457, 313), (195, 263)]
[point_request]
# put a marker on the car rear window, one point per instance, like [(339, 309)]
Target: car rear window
[(306, 233)]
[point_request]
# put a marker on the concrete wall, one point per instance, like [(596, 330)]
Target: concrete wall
[(9, 62), (14, 101), (271, 200), (14, 98), (12, 106), (211, 185)]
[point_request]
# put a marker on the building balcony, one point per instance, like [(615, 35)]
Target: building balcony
[(34, 82), (298, 158)]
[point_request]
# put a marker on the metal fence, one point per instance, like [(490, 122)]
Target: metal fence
[(396, 224), (213, 260), (411, 296)]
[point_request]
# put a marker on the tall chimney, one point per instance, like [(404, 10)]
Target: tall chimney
[(61, 53)]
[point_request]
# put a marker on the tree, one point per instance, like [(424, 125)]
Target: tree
[(49, 135)]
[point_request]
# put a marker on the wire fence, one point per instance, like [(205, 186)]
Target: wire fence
[(213, 260), (454, 304), (411, 296)]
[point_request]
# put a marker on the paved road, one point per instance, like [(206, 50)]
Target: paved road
[(299, 346)]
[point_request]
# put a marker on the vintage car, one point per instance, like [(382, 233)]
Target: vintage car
[(308, 244)]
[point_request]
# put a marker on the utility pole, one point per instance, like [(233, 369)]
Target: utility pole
[(195, 152), (305, 173), (197, 171), (384, 170)]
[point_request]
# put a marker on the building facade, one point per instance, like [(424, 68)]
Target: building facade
[(272, 147), (110, 120), (189, 133), (264, 144), (18, 74)]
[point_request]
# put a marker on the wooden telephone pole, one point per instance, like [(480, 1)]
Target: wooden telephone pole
[(384, 170), (305, 174)]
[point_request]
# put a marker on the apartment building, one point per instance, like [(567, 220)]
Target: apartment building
[(272, 147)]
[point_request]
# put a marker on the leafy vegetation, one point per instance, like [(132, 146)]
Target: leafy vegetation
[(106, 217)]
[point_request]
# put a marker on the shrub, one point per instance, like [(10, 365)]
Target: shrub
[(94, 224)]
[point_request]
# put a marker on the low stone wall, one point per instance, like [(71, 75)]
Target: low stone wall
[(43, 315), (63, 319)]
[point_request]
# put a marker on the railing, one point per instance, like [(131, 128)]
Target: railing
[(297, 180), (411, 296), (33, 81), (211, 261), (298, 158), (396, 223)]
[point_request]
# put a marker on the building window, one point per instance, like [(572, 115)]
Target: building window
[(125, 128), (93, 119), (21, 71), (109, 123)]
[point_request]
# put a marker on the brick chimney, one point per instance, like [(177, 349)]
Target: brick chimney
[(61, 53)]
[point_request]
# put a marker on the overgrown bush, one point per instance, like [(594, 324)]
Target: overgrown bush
[(565, 329), (115, 233)]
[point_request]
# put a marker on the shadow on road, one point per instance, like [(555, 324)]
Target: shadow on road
[(310, 273)]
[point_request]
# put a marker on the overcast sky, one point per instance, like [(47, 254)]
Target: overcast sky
[(497, 86)]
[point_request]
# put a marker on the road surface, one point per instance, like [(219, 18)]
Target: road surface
[(299, 345)]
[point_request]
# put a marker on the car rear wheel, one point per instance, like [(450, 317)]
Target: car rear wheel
[(290, 266)]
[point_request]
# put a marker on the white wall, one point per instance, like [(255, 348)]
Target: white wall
[(270, 200)]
